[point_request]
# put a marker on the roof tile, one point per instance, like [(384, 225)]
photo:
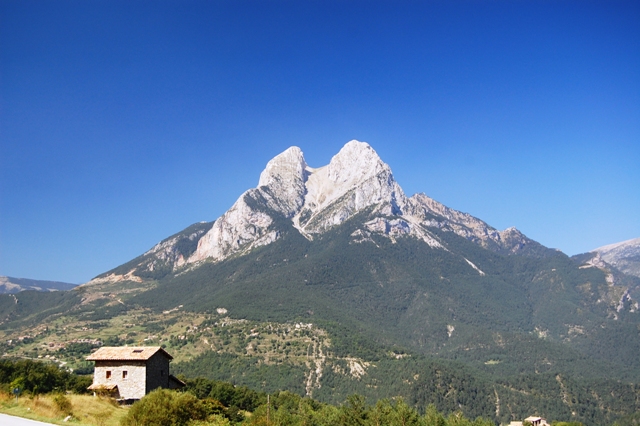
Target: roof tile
[(126, 353)]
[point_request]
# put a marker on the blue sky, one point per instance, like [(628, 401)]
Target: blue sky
[(122, 123)]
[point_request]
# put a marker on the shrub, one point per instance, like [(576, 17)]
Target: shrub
[(63, 405), (165, 407)]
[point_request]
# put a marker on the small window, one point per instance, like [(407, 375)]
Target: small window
[(108, 374), (124, 374), (137, 351), (161, 373)]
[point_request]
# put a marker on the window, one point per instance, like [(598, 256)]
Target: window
[(161, 373), (108, 374), (124, 374), (137, 351)]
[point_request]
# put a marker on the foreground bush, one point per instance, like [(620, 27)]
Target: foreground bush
[(165, 407)]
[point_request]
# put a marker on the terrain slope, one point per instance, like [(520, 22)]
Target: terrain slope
[(328, 281)]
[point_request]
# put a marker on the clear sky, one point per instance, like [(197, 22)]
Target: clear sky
[(123, 122)]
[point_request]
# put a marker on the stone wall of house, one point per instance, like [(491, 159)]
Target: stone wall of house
[(130, 376), (157, 372)]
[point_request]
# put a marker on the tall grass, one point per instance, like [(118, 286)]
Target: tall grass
[(84, 409)]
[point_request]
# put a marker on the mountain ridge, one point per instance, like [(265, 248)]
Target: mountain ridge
[(316, 199), (15, 285), (625, 256)]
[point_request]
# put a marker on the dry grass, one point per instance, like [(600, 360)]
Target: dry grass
[(99, 411), (86, 410), (5, 397), (42, 406)]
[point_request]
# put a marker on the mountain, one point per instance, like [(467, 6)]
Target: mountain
[(624, 256), (331, 280), (621, 264), (15, 285), (314, 201)]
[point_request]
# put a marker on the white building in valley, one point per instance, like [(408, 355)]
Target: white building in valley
[(532, 420)]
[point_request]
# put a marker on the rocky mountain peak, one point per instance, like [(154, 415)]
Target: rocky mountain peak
[(355, 178), (282, 182), (355, 162), (287, 167)]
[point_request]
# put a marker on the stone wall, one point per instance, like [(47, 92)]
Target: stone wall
[(130, 376), (157, 372)]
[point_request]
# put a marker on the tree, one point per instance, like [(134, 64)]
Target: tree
[(457, 419), (433, 417), (403, 415), (354, 412), (381, 413)]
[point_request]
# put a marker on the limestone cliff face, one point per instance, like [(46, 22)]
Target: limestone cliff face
[(247, 224), (355, 179), (241, 228), (621, 265), (315, 200), (282, 183), (624, 256)]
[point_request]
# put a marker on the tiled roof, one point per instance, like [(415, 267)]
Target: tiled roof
[(126, 353)]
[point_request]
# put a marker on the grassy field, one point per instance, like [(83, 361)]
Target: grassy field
[(83, 409)]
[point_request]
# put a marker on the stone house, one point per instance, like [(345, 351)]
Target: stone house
[(129, 373)]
